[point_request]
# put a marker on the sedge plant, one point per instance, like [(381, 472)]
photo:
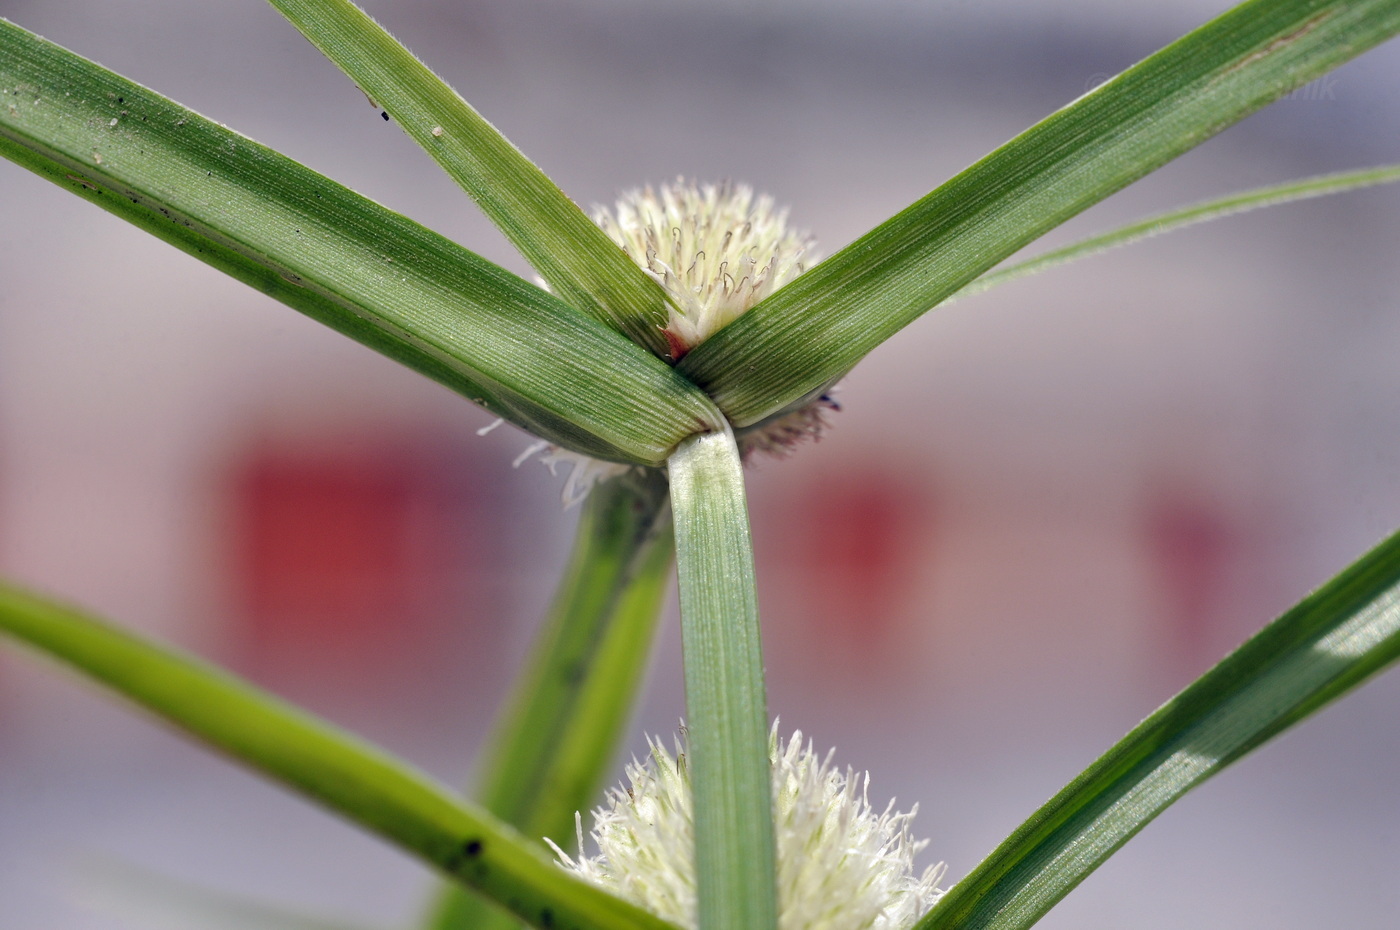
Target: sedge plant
[(672, 337)]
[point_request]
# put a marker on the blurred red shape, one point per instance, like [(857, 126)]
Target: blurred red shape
[(349, 553), (855, 550)]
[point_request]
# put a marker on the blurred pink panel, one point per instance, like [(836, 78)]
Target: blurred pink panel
[(856, 552), (1193, 547), (349, 555)]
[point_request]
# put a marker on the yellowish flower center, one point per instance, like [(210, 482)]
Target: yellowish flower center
[(717, 249)]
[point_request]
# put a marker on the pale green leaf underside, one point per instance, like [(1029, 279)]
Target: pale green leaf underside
[(726, 710), (1217, 208), (817, 328), (557, 739), (365, 785), (339, 257), (1328, 644), (586, 268), (139, 897)]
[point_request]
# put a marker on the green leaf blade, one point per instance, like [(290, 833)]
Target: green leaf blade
[(815, 329), (1328, 644), (586, 268), (342, 259), (726, 707), (1242, 202), (369, 787)]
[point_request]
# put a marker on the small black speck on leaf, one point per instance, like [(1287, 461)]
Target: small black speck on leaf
[(468, 851), (385, 114), (546, 918)]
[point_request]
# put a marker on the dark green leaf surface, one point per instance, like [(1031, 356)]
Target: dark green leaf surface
[(816, 328), (1335, 639), (363, 784), (556, 742), (726, 709), (339, 258), (582, 265)]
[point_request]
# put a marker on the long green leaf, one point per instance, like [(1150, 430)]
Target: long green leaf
[(1217, 208), (1331, 642), (726, 710), (339, 257), (816, 328), (568, 249), (365, 785), (559, 734)]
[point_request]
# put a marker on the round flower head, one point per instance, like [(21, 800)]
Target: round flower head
[(716, 249), (841, 865)]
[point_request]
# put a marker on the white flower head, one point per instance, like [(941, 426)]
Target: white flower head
[(716, 249), (841, 865)]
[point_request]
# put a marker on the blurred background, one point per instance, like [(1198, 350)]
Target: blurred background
[(1041, 511)]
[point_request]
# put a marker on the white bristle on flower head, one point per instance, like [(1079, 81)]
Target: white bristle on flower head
[(716, 249), (841, 865), (584, 471)]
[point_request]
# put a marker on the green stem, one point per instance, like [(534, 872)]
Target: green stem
[(559, 732), (727, 728)]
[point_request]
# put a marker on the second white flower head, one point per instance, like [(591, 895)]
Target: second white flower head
[(841, 865)]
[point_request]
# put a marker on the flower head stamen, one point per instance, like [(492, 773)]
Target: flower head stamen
[(716, 249)]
